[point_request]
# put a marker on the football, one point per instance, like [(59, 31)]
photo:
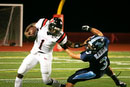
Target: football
[(32, 30)]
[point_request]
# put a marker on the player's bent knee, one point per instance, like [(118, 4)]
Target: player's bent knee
[(20, 76), (71, 80)]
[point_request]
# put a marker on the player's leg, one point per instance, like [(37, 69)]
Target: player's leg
[(80, 75), (110, 73), (69, 85), (46, 65), (26, 65), (18, 81)]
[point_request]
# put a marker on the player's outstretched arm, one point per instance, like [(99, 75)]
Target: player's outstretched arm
[(74, 45), (72, 54), (71, 45), (92, 30), (96, 32)]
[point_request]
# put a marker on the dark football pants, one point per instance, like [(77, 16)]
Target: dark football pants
[(81, 75)]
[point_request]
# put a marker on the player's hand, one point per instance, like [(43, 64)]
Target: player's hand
[(86, 28)]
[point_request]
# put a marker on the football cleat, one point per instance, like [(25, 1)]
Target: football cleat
[(122, 84), (62, 85)]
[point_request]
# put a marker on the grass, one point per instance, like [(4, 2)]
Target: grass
[(63, 66)]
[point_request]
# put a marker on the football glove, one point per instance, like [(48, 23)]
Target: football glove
[(86, 28)]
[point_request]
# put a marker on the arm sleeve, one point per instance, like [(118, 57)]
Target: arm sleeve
[(63, 39), (106, 41), (85, 56), (39, 23)]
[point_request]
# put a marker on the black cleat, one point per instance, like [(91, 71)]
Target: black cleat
[(122, 84), (62, 85)]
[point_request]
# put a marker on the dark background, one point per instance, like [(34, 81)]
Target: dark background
[(106, 15)]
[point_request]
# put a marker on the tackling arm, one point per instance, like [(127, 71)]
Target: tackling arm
[(71, 45), (74, 45), (92, 30), (73, 55), (77, 45), (96, 32)]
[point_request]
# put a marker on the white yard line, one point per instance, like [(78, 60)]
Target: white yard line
[(117, 68), (74, 61), (121, 62), (11, 57), (58, 57), (116, 56), (61, 78)]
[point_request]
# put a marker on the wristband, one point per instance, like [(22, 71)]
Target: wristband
[(76, 45), (64, 46), (89, 29)]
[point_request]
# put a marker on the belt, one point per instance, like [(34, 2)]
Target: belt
[(41, 52)]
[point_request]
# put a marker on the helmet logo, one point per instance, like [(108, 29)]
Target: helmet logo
[(96, 43)]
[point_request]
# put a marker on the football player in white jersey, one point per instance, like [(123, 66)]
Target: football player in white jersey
[(47, 33)]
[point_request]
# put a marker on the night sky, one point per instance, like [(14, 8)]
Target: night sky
[(106, 15)]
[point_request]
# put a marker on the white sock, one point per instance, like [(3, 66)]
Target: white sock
[(18, 82)]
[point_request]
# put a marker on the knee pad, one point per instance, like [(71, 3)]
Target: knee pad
[(20, 76)]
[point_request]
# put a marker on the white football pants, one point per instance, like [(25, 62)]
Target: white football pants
[(30, 61)]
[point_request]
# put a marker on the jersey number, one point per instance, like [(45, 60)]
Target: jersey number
[(104, 62), (41, 44)]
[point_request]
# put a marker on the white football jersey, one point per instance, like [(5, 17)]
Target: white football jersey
[(45, 42)]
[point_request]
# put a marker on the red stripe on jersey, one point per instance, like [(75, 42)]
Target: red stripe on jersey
[(61, 38), (44, 22)]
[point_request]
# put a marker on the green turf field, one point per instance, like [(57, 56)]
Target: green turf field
[(63, 66)]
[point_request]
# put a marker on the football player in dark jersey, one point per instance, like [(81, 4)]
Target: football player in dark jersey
[(96, 54)]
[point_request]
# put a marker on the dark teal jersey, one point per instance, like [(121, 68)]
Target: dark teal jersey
[(99, 61)]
